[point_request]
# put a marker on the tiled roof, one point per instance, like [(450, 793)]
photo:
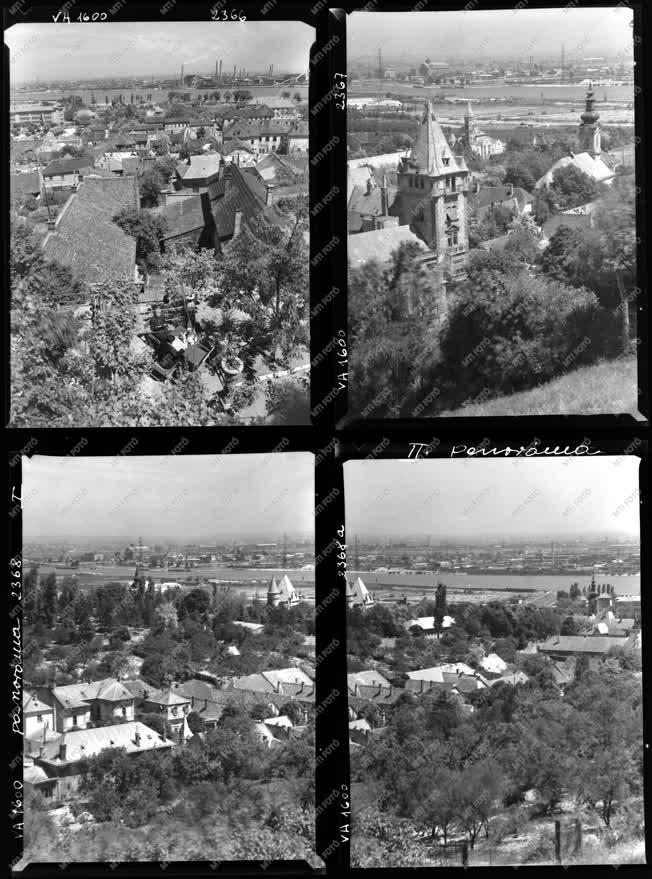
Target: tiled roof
[(299, 129), (90, 742), (201, 168), (580, 644), (182, 215), (166, 697), (489, 195), (85, 236), (431, 153), (66, 166), (33, 705), (245, 193), (593, 167), (369, 678), (79, 695)]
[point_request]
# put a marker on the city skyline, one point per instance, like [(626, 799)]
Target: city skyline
[(187, 496), (507, 33), (73, 51), (510, 499)]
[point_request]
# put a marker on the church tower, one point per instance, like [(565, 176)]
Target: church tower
[(470, 127), (273, 594), (433, 186), (589, 130)]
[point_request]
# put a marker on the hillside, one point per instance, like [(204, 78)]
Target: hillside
[(606, 387)]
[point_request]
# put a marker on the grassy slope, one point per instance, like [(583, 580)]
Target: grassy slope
[(607, 387)]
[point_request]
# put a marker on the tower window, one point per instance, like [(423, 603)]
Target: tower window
[(452, 238)]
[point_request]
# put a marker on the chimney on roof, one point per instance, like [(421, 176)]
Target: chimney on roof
[(62, 751), (476, 185), (384, 203), (510, 187), (137, 738), (51, 223), (41, 750), (269, 193), (237, 223)]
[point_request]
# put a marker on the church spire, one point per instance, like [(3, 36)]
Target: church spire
[(431, 153), (589, 131)]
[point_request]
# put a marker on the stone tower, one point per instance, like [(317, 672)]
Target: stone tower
[(274, 594), (589, 130), (433, 185), (470, 127)]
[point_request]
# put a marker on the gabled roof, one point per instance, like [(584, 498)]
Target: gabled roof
[(369, 678), (581, 644), (182, 214), (85, 236), (200, 168), (33, 705), (245, 193), (66, 166), (489, 195), (593, 167), (90, 742)]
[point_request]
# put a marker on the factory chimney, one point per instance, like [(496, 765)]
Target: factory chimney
[(182, 75)]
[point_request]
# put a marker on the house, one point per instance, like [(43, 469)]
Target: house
[(262, 136), (283, 108), (297, 138), (362, 680), (38, 716), (457, 676), (493, 666), (427, 626), (204, 699), (237, 199), (231, 115), (483, 199), (174, 709), (37, 114), (95, 703), (84, 236), (628, 606), (198, 173), (56, 770), (279, 170), (188, 220), (595, 647), (368, 206), (62, 173), (359, 731), (289, 682)]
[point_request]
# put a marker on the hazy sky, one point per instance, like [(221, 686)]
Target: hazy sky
[(77, 51), (504, 497), (182, 497), (509, 33)]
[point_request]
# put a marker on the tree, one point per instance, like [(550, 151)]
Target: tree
[(393, 316), (49, 600), (150, 187), (195, 604), (571, 187), (148, 229)]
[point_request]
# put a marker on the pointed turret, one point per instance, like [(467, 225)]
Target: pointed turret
[(431, 153), (589, 131), (274, 593)]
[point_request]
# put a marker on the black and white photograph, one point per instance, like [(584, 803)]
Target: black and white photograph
[(494, 662), (491, 212), (168, 701), (159, 255)]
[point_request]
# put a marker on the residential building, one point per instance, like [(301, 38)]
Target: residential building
[(38, 716), (65, 173), (56, 771), (37, 114), (427, 626), (173, 708), (483, 199), (595, 647), (94, 703), (297, 139)]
